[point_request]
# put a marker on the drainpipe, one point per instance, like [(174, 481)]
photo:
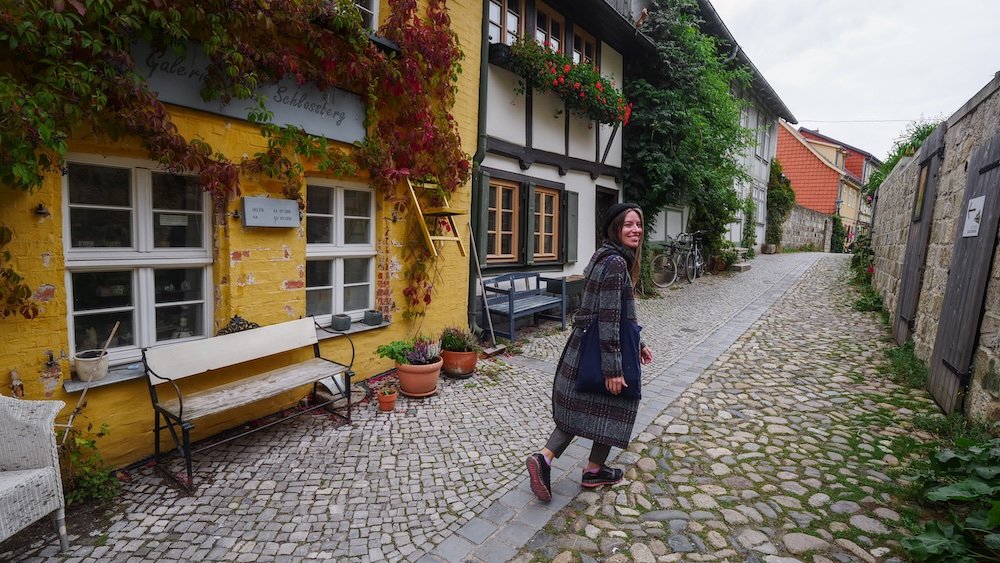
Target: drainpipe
[(477, 160)]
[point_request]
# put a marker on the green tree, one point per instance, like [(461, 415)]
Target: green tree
[(837, 235), (780, 201), (685, 133), (906, 145)]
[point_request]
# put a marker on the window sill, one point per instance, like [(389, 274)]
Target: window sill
[(134, 370), (356, 327), (116, 374)]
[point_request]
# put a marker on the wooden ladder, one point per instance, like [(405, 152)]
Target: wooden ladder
[(443, 211)]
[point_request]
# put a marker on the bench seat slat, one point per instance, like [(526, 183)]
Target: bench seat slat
[(251, 389), (527, 304)]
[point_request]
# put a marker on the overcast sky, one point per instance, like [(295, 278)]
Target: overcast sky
[(869, 60)]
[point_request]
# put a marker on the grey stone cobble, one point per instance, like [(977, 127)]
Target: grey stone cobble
[(726, 408)]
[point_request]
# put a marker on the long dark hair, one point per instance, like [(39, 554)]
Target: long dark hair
[(614, 234)]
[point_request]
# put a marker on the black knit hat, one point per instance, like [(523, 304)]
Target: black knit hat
[(614, 211)]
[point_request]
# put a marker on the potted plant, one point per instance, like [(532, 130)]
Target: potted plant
[(459, 352), (387, 398), (418, 364)]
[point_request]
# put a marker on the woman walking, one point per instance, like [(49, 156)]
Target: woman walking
[(604, 417)]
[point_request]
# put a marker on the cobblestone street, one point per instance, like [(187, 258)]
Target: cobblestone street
[(765, 435)]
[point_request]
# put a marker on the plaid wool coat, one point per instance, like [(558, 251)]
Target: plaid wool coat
[(604, 418)]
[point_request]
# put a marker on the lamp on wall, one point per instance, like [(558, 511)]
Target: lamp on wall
[(41, 211)]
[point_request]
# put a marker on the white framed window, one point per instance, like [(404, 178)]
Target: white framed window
[(369, 13), (340, 249), (137, 247)]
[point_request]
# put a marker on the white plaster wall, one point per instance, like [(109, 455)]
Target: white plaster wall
[(612, 67), (548, 127), (505, 108), (582, 143)]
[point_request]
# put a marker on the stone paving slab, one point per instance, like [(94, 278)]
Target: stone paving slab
[(427, 481)]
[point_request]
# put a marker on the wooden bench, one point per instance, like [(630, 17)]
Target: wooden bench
[(519, 295), (166, 365)]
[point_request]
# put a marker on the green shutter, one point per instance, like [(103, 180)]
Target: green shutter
[(481, 195), (529, 226), (572, 224)]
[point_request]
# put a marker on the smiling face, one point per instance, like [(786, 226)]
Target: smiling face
[(631, 234)]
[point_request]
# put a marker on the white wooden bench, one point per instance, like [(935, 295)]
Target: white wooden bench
[(166, 365)]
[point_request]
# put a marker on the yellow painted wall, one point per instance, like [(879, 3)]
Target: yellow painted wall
[(259, 274)]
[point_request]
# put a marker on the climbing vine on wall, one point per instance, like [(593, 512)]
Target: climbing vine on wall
[(74, 72)]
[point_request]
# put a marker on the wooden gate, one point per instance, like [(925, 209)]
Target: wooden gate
[(911, 278), (968, 274)]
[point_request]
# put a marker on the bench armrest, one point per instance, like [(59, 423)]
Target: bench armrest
[(350, 366), (153, 395), (499, 290)]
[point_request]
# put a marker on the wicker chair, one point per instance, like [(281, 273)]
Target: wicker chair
[(30, 483)]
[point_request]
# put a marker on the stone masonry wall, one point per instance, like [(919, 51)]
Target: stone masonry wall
[(806, 227), (972, 125), (891, 229)]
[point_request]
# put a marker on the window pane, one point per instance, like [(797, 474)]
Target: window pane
[(540, 37), (357, 204), (494, 33), (548, 245), (178, 285), (549, 224), (542, 22), (554, 43), (179, 321), (177, 230), (556, 32), (99, 185), (356, 270), (506, 245), (495, 11), (319, 199), (356, 298), (319, 229), (319, 302), (550, 203), (92, 331), (493, 196), (101, 290), (507, 222), (100, 228), (356, 231), (508, 199), (171, 191), (319, 273), (491, 242)]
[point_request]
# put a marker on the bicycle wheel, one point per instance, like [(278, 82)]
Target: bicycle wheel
[(664, 270), (690, 267)]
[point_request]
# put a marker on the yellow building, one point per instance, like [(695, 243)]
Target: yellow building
[(118, 238)]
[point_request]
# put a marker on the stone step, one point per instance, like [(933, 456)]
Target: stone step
[(740, 267)]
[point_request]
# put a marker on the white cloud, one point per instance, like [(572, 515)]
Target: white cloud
[(854, 60)]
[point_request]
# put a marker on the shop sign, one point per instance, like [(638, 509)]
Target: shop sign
[(178, 79), (270, 212)]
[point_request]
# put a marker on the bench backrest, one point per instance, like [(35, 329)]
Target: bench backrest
[(177, 361), (518, 281)]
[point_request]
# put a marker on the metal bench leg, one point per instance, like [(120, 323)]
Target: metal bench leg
[(187, 456), (59, 523), (156, 437)]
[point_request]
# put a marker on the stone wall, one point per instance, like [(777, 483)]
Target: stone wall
[(805, 227), (972, 125), (891, 228)]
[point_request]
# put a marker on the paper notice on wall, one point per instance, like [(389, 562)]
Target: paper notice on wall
[(973, 217)]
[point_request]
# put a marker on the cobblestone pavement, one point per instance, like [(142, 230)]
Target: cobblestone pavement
[(782, 450), (441, 478)]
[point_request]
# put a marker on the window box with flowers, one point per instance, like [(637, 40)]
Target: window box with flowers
[(581, 87)]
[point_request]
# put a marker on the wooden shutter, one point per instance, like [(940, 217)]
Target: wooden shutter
[(482, 196), (968, 274), (529, 225), (572, 222)]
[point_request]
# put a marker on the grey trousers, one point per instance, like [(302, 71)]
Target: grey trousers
[(559, 441)]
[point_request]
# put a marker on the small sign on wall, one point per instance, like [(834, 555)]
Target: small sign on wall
[(973, 217), (268, 212)]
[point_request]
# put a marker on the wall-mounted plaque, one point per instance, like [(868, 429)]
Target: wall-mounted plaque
[(178, 79), (268, 212)]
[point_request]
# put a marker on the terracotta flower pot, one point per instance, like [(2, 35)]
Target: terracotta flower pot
[(418, 380), (386, 403), (458, 364)]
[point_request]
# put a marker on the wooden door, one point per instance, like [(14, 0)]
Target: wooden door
[(911, 278), (968, 274)]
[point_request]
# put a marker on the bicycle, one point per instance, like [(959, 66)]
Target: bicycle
[(665, 264), (694, 259)]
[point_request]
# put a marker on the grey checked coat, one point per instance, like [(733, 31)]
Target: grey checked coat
[(604, 418)]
